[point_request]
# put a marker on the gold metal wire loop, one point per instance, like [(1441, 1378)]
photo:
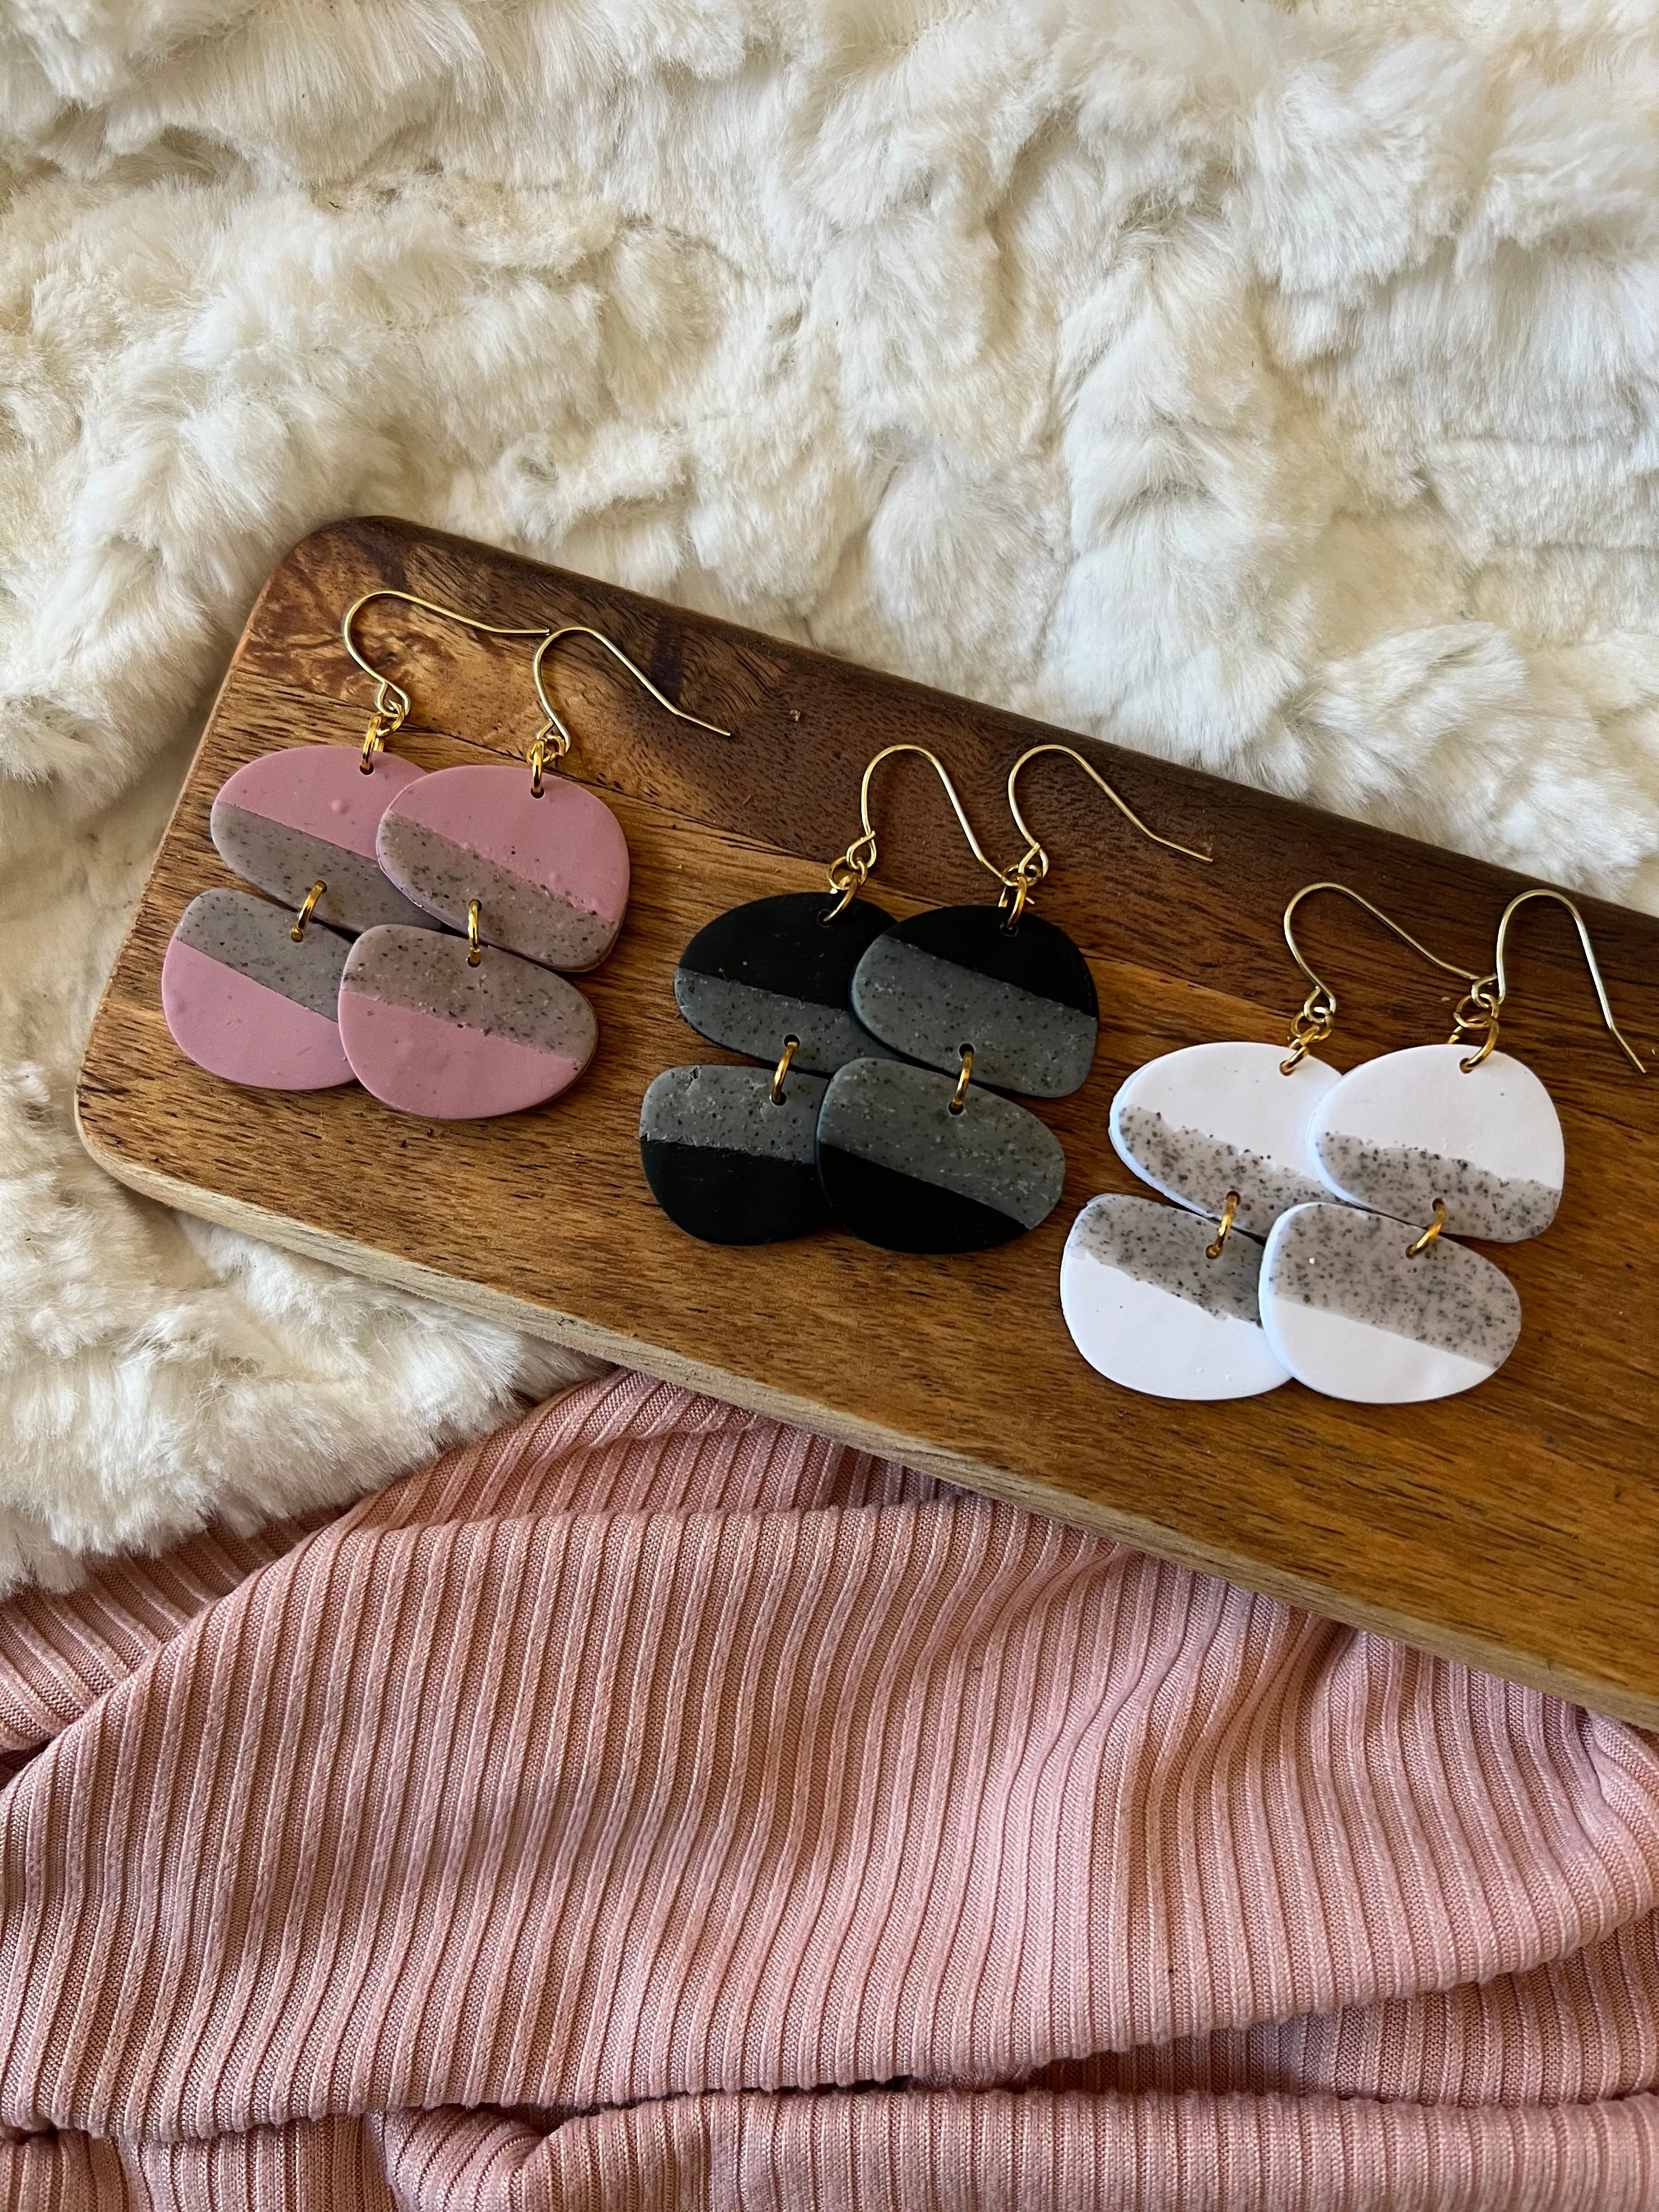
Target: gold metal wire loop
[(1476, 1016), (474, 954), (791, 1047), (304, 916), (1310, 1027), (553, 739), (1226, 1230), (959, 1099), (384, 722), (1489, 991), (391, 701), (1015, 896), (1415, 1249), (847, 875), (1032, 865), (1318, 1016)]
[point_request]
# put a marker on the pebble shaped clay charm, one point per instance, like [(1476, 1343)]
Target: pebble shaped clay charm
[(1353, 1317), (902, 1171), (1212, 1118), (550, 874), (309, 815), (1148, 1307), (1401, 1130), (245, 1002), (954, 976), (725, 1162), (775, 968), (429, 1034)]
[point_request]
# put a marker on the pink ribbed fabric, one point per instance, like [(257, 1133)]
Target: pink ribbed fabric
[(537, 1833)]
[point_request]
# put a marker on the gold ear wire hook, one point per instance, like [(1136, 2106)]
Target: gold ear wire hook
[(1032, 865), (391, 701), (1318, 1018), (847, 874), (554, 727), (1489, 991)]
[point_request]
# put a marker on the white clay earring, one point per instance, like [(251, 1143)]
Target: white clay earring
[(1369, 1297), (1168, 1303)]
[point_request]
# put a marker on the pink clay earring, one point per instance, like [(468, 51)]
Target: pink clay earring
[(251, 989), (535, 868)]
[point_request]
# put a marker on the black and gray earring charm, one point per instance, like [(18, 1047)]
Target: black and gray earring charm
[(729, 1152), (989, 999)]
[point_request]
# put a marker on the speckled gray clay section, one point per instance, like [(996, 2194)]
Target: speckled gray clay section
[(929, 1008), (1339, 1260), (504, 996), (731, 1109), (254, 937), (1153, 1244), (1399, 1180), (514, 912), (1201, 1170), (992, 1152), (745, 1018), (286, 862)]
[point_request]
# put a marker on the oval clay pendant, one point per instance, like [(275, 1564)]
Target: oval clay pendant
[(308, 814), (776, 968), (549, 873), (1401, 1130), (1148, 1307), (428, 1033), (903, 1171), (1214, 1118), (247, 1002), (1353, 1317), (728, 1164), (1022, 999)]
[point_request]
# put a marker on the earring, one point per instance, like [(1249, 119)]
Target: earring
[(1371, 1299), (729, 1152), (546, 861), (1167, 1303), (988, 999), (538, 871), (250, 991)]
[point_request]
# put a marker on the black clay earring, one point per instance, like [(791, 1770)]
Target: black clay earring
[(988, 999), (729, 1152)]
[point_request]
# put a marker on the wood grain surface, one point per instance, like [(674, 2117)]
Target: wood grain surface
[(1515, 1528)]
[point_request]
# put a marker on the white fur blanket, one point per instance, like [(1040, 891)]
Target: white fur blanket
[(1271, 386)]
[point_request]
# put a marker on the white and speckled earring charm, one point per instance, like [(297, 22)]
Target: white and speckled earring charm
[(1165, 1301), (1370, 1299)]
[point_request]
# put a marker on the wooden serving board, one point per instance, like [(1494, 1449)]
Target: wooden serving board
[(1517, 1528)]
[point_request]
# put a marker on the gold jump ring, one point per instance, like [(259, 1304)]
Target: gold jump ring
[(791, 1047), (304, 916), (473, 955), (1214, 1251), (1429, 1235), (966, 1076)]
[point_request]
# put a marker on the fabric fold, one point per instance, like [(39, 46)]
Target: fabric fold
[(659, 1767)]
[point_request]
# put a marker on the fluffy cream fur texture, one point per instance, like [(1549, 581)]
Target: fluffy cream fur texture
[(1273, 387)]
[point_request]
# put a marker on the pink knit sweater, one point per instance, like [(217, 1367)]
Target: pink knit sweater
[(655, 1807)]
